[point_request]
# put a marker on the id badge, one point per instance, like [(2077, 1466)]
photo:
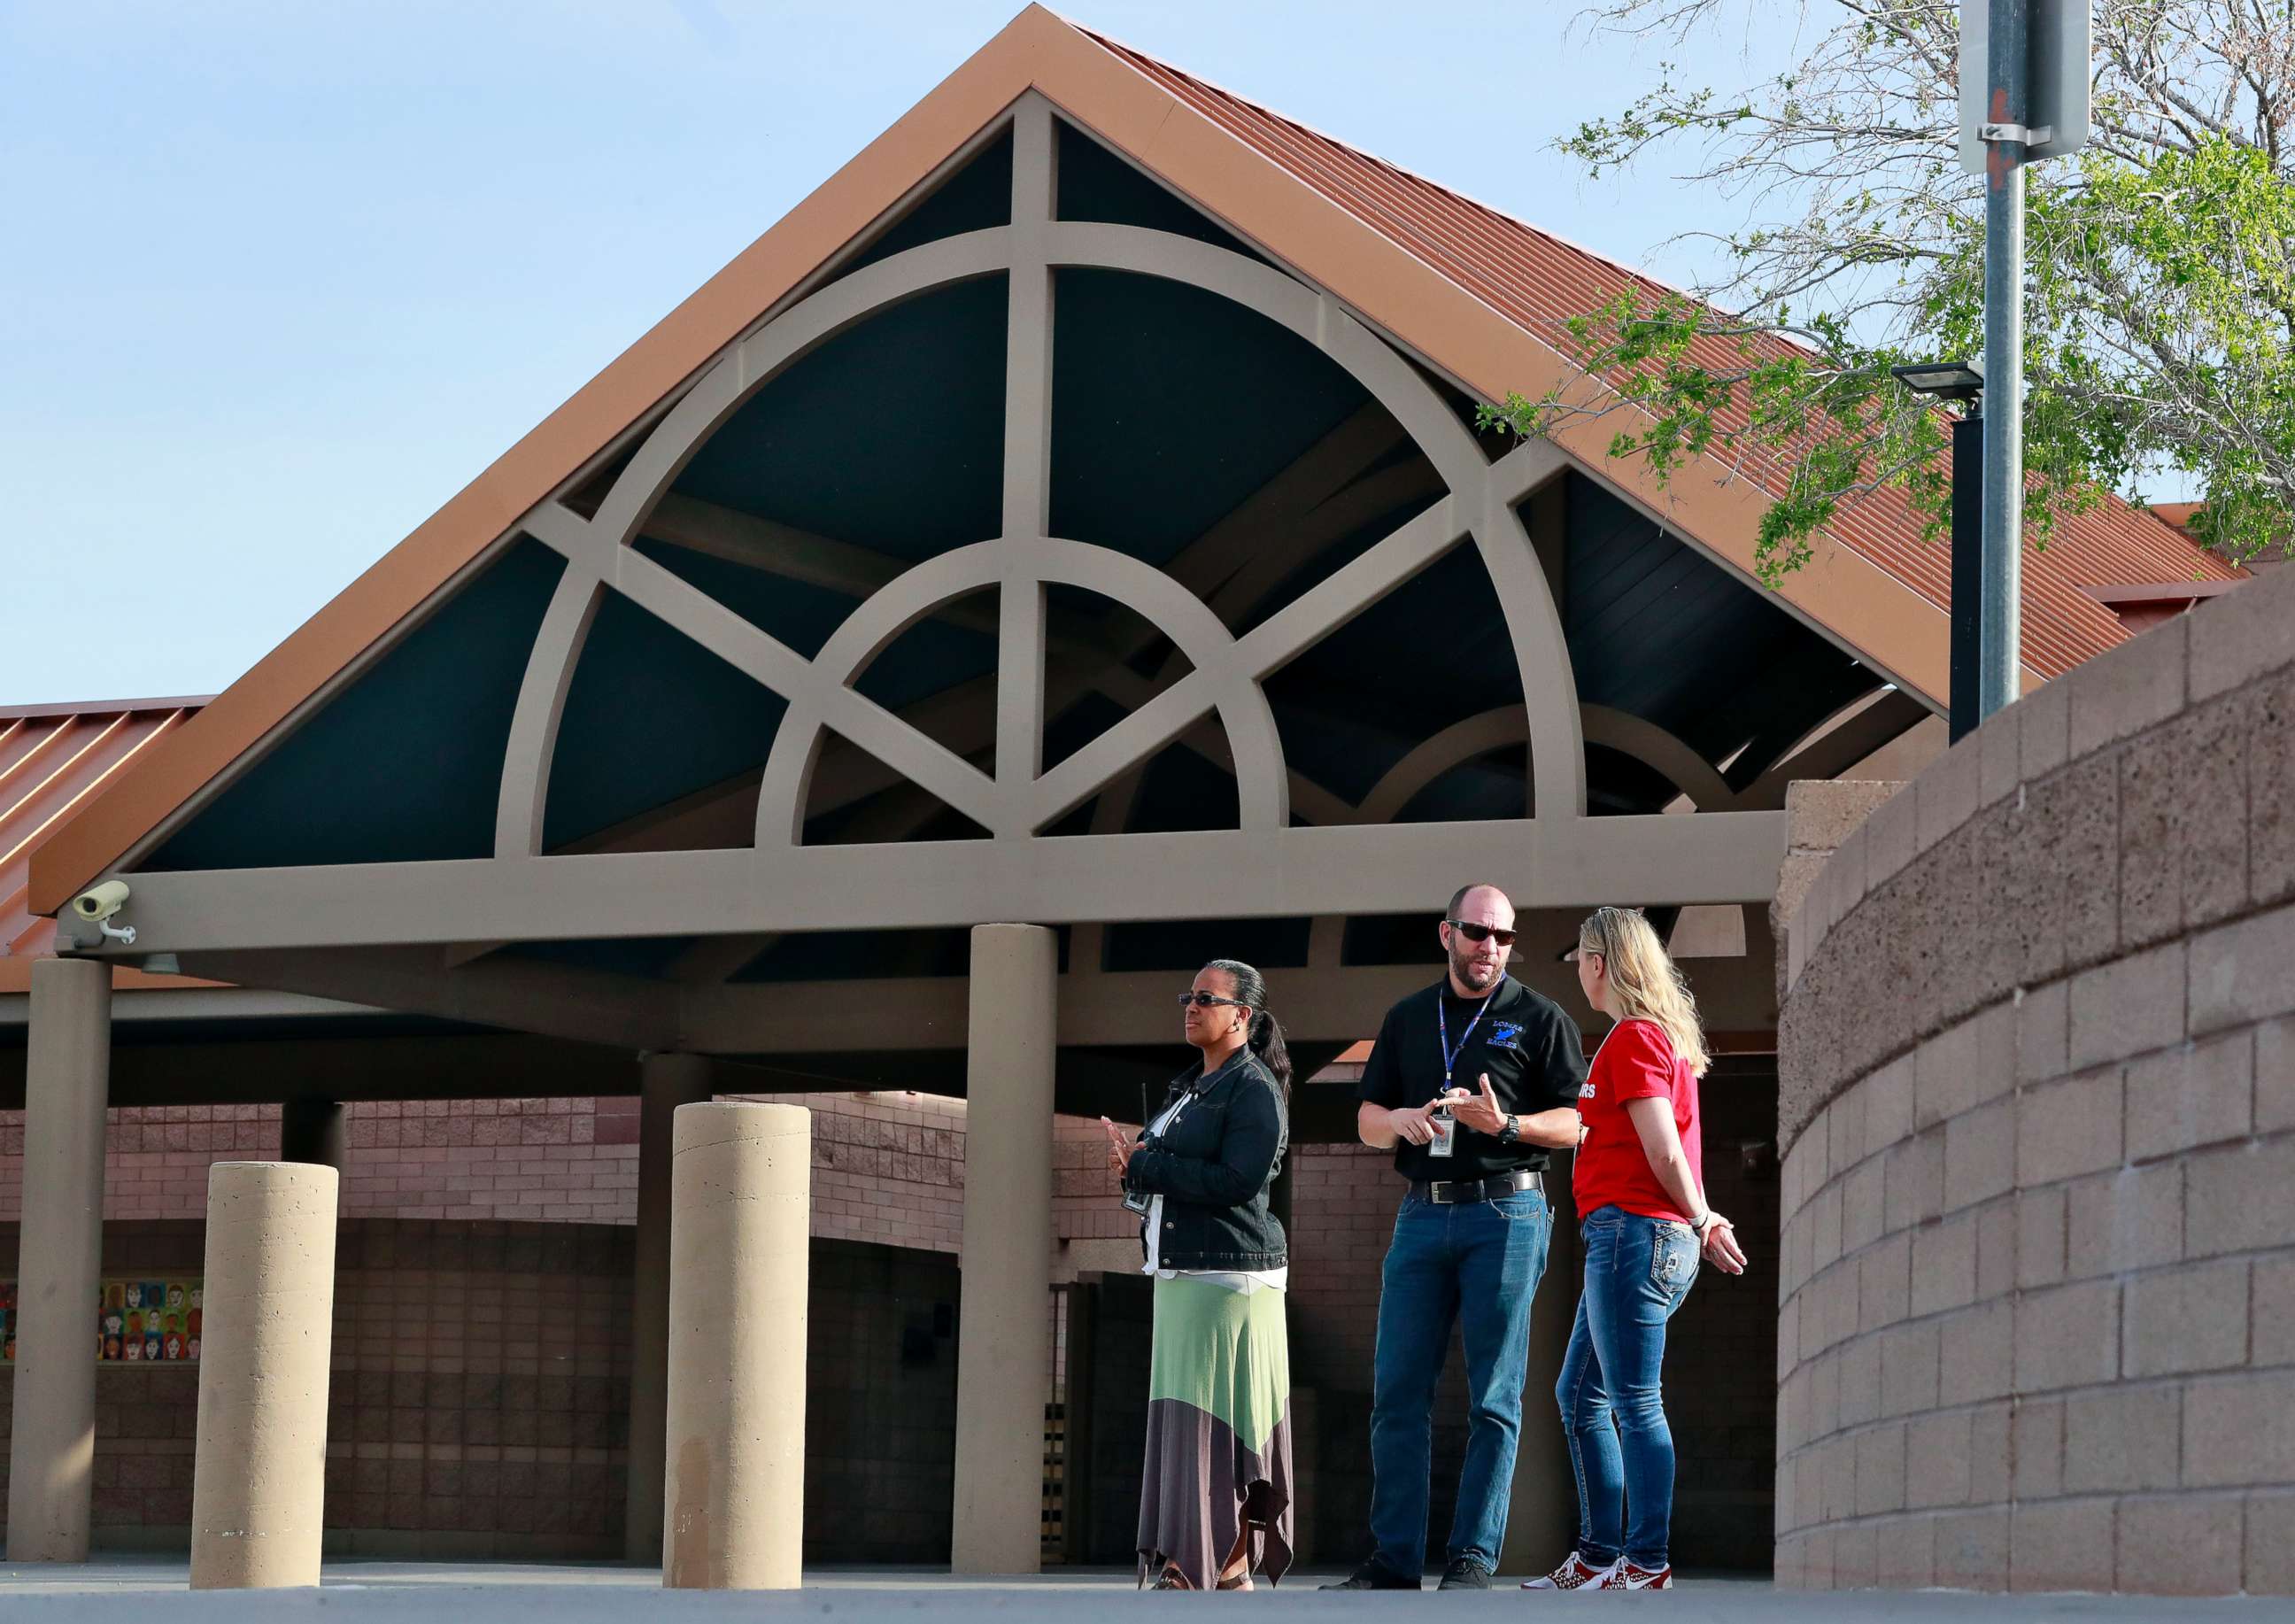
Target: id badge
[(1445, 1142)]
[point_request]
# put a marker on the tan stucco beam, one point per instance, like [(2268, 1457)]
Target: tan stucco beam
[(1133, 1010), (196, 1002), (776, 549), (1839, 745), (518, 995), (321, 1065), (905, 1015), (1270, 515), (1729, 857)]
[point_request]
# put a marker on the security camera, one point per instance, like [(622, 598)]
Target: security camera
[(104, 902), (98, 905)]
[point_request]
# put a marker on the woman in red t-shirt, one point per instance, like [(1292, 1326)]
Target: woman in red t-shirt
[(1642, 1215)]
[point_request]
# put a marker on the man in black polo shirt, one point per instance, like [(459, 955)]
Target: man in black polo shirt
[(1471, 1082)]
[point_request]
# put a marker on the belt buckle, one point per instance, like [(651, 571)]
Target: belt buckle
[(1435, 1188)]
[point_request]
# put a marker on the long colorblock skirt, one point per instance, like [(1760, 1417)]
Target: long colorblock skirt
[(1219, 1431)]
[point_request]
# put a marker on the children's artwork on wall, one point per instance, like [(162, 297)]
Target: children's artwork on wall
[(136, 1321)]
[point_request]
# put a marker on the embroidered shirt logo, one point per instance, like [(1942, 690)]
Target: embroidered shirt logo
[(1506, 1034)]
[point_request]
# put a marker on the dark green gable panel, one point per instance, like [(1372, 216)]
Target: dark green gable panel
[(1095, 184), (976, 198), (1658, 630), (652, 716), (405, 765), (890, 436), (1170, 405)]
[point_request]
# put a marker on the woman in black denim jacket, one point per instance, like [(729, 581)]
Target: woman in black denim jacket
[(1216, 1499)]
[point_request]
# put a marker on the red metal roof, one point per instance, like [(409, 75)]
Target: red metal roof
[(51, 759), (1537, 279)]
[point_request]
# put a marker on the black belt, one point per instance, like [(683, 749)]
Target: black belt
[(1449, 1192)]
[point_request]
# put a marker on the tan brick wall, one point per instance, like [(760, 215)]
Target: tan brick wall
[(888, 1168), (479, 1401), (2038, 1321), (480, 1398)]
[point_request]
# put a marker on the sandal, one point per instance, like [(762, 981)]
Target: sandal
[(1235, 1572)]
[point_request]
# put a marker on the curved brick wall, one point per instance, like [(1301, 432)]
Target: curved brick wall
[(2038, 1288)]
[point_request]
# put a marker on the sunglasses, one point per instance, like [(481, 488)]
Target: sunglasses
[(1482, 933), (1205, 1001)]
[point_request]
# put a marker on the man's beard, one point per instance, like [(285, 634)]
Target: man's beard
[(1467, 973)]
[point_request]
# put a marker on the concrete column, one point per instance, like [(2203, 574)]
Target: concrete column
[(1542, 1515), (314, 1130), (67, 1076), (740, 1234), (1007, 1255), (665, 1082), (259, 1484)]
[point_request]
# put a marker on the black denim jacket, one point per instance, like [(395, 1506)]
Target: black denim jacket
[(1215, 1167)]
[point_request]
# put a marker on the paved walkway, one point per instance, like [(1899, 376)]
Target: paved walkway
[(441, 1593)]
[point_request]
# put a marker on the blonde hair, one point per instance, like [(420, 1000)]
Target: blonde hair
[(1644, 983)]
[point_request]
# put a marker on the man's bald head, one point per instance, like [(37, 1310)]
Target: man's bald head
[(1467, 893)]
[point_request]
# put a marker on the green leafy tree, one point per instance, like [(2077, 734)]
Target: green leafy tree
[(2159, 303)]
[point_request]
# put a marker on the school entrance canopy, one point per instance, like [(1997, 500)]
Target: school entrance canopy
[(1069, 517)]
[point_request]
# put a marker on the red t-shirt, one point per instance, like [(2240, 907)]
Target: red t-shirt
[(1635, 1062)]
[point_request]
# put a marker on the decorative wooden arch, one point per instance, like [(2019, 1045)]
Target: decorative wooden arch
[(1228, 671)]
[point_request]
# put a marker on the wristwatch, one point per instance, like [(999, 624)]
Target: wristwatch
[(1509, 1130)]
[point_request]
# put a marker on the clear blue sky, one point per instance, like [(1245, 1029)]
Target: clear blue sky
[(278, 279)]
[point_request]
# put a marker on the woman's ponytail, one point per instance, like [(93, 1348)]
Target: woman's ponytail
[(1265, 1035), (1267, 1043)]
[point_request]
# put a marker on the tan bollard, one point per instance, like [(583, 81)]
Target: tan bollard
[(258, 1487), (740, 1226)]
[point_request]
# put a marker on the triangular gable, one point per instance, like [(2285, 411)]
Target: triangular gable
[(1175, 128)]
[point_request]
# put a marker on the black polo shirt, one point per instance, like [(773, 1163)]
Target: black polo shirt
[(1523, 1042)]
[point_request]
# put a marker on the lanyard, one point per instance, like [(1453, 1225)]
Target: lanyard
[(1170, 1114), (1443, 1030)]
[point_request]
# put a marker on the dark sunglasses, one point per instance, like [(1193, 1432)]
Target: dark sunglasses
[(1205, 1001), (1481, 933)]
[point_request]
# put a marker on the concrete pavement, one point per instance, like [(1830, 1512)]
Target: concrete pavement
[(440, 1592)]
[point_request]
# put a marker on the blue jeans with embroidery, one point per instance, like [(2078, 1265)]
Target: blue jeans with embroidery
[(1476, 1264), (1637, 1271)]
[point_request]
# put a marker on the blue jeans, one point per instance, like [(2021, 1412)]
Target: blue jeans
[(1480, 1259), (1637, 1271)]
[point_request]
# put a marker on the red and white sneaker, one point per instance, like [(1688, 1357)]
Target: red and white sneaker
[(1625, 1576), (1575, 1574)]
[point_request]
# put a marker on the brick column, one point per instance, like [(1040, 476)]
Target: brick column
[(313, 1131), (67, 1080), (1006, 1254), (665, 1082)]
